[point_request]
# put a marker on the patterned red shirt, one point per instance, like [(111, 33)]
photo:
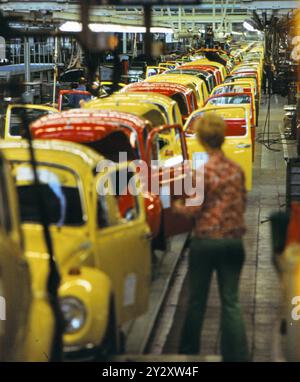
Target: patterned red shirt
[(221, 215)]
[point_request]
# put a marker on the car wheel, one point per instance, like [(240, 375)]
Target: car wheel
[(110, 344)]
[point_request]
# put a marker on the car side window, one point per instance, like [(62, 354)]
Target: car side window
[(167, 147), (121, 204)]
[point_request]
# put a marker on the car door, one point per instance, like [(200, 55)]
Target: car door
[(123, 241), (167, 160), (15, 280), (238, 142), (13, 118)]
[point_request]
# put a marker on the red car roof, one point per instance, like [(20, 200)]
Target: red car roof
[(84, 124), (167, 88)]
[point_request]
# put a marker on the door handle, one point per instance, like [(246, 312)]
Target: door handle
[(243, 146)]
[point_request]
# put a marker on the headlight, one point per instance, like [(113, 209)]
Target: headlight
[(74, 314)]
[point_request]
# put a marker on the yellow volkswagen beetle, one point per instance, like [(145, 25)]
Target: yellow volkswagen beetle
[(238, 144), (205, 61), (13, 117), (103, 257), (148, 111), (168, 106), (192, 82)]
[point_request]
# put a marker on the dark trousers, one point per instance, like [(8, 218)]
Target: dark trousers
[(226, 257)]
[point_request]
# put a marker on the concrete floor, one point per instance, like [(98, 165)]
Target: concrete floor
[(260, 293)]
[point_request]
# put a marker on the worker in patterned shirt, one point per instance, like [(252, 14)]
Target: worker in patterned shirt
[(216, 244)]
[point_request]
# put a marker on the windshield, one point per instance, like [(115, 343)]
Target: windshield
[(231, 89), (60, 190), (15, 121), (155, 117)]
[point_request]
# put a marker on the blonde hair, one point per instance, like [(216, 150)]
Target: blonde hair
[(210, 130)]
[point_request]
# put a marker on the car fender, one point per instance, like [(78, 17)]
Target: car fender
[(93, 288)]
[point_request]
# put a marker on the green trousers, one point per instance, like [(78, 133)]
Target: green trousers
[(226, 257)]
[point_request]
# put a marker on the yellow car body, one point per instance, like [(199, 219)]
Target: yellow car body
[(192, 82), (255, 66), (147, 111), (13, 122), (168, 107), (236, 147), (251, 82), (24, 336), (205, 61), (236, 87), (103, 258)]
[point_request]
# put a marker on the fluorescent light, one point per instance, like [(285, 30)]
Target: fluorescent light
[(74, 26), (71, 26)]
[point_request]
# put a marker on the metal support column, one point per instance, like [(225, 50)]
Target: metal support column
[(28, 95), (124, 43), (55, 76), (27, 60)]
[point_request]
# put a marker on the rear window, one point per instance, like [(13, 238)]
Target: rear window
[(155, 118)]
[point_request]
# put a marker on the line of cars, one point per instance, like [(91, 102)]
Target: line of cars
[(103, 240)]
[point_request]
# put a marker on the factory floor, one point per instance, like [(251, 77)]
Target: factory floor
[(259, 293)]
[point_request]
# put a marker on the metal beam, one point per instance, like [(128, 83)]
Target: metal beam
[(286, 4)]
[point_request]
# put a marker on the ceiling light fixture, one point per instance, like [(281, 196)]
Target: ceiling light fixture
[(74, 26)]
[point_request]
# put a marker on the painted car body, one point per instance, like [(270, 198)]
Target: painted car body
[(207, 77), (238, 142), (147, 111), (109, 133), (168, 107), (96, 129), (183, 95), (204, 61), (215, 71), (103, 259), (242, 98), (192, 82)]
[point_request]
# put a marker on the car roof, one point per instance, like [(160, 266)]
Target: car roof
[(71, 155), (125, 105), (181, 78), (175, 87), (142, 97), (93, 118)]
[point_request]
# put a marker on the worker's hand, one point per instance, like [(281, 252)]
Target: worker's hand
[(176, 206)]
